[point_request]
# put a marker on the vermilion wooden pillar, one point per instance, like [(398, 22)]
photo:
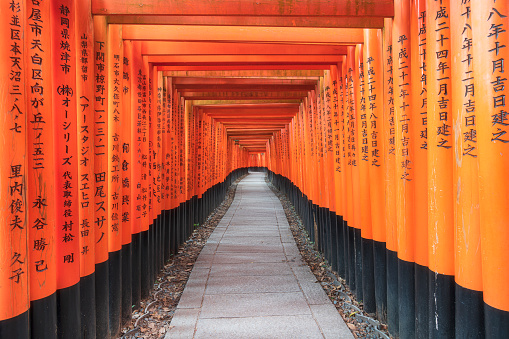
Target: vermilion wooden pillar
[(469, 315), (136, 156), (115, 58), (328, 165), (151, 154), (145, 179), (64, 104), (419, 146), (164, 168), (404, 117), (350, 161), (374, 82), (390, 180), (157, 103), (338, 165), (364, 149), (41, 171), (356, 189), (14, 260), (101, 208), (86, 179), (126, 178), (345, 174), (440, 162), (490, 22)]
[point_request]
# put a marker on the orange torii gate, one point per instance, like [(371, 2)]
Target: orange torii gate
[(124, 123)]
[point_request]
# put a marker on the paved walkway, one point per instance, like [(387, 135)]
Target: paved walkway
[(250, 281)]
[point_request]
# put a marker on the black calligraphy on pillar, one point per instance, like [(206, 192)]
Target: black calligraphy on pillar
[(115, 143), (16, 208), (363, 116), (442, 73), (352, 144), (40, 130), (100, 139), (373, 141), (65, 92), (404, 108), (497, 35), (423, 95)]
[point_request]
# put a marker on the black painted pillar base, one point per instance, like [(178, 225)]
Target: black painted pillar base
[(102, 304), (136, 269), (350, 246), (127, 285), (115, 283), (406, 299), (333, 241), (340, 235), (380, 258), (441, 305), (43, 318), (167, 235), (87, 303), (145, 265), (368, 276), (16, 327), (68, 312), (358, 264), (496, 322), (469, 318), (421, 301), (392, 293)]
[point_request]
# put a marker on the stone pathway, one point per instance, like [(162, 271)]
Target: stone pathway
[(250, 281)]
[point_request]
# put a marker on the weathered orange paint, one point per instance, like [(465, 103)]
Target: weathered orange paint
[(440, 143)]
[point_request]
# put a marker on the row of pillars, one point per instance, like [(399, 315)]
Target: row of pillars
[(105, 171), (405, 144)]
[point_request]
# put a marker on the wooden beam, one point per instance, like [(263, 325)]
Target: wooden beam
[(211, 68), (330, 36), (271, 21), (241, 81), (244, 59), (378, 8), (221, 48), (281, 74), (253, 122), (244, 88), (242, 95)]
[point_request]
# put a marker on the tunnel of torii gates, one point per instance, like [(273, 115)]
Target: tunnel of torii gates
[(122, 124)]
